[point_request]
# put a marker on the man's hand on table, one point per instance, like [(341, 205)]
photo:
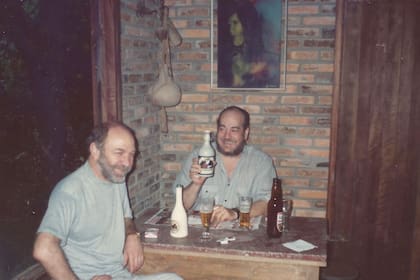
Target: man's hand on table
[(222, 214), (133, 253)]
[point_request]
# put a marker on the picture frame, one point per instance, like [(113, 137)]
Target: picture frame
[(248, 44)]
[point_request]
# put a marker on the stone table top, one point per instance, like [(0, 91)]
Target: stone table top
[(252, 243)]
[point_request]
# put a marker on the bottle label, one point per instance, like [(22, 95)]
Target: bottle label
[(174, 226), (279, 221), (207, 166)]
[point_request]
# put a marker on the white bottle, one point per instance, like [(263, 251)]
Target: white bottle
[(179, 222), (206, 156)]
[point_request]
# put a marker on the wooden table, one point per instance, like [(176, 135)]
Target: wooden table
[(251, 256)]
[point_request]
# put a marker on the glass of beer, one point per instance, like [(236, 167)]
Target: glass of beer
[(245, 203), (206, 210)]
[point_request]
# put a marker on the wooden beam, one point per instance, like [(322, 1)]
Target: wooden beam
[(106, 61)]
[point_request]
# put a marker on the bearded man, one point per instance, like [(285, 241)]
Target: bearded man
[(88, 231), (241, 170)]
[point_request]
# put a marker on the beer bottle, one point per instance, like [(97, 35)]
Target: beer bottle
[(179, 222), (206, 157), (275, 210)]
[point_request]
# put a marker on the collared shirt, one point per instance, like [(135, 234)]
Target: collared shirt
[(253, 176)]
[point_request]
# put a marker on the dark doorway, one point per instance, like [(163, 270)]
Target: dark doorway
[(46, 113)]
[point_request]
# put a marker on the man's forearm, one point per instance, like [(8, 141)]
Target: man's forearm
[(130, 226), (58, 268), (49, 253), (189, 194)]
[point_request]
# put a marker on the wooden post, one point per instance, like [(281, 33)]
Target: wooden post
[(106, 61)]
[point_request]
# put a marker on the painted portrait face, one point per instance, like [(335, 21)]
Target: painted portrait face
[(117, 155), (236, 29), (231, 135)]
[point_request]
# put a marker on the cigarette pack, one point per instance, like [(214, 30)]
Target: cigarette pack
[(151, 233)]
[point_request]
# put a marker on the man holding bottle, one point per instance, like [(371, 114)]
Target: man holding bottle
[(241, 170)]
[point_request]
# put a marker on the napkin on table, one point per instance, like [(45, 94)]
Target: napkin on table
[(299, 245)]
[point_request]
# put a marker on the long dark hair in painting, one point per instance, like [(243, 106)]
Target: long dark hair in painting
[(245, 56)]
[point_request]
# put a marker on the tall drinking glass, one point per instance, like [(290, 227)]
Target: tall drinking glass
[(287, 212), (245, 203), (206, 210)]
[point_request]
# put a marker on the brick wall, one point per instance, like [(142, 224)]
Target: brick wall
[(139, 54), (292, 125)]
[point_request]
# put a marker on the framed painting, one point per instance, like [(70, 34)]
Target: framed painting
[(248, 44)]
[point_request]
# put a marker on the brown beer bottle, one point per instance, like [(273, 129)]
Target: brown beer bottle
[(275, 209)]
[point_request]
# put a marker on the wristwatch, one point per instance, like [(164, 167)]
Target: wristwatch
[(136, 233)]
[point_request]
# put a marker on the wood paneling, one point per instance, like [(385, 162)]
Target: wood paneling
[(374, 182)]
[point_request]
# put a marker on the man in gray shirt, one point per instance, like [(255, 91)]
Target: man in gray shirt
[(241, 170), (88, 230)]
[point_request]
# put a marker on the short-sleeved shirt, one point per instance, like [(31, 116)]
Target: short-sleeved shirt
[(253, 176), (87, 215)]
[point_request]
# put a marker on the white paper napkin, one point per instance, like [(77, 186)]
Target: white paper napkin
[(299, 245)]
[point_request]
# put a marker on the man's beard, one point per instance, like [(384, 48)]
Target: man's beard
[(107, 171), (237, 151)]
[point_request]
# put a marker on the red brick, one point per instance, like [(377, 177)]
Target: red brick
[(172, 166), (307, 9), (274, 152), (280, 109), (299, 142), (303, 55), (195, 138), (312, 131), (319, 183), (295, 182), (194, 33), (193, 56), (195, 98), (264, 140), (317, 67), (262, 99), (319, 20), (312, 194), (300, 78), (300, 203), (317, 89), (292, 162), (177, 147), (285, 172), (296, 99), (309, 213), (228, 98), (314, 153), (322, 143), (295, 120), (182, 127), (317, 110), (325, 100), (303, 31), (193, 118), (316, 173)]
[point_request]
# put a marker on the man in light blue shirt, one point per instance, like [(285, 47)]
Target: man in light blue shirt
[(88, 230), (241, 170)]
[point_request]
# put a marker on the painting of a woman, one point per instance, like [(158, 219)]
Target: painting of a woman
[(247, 56)]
